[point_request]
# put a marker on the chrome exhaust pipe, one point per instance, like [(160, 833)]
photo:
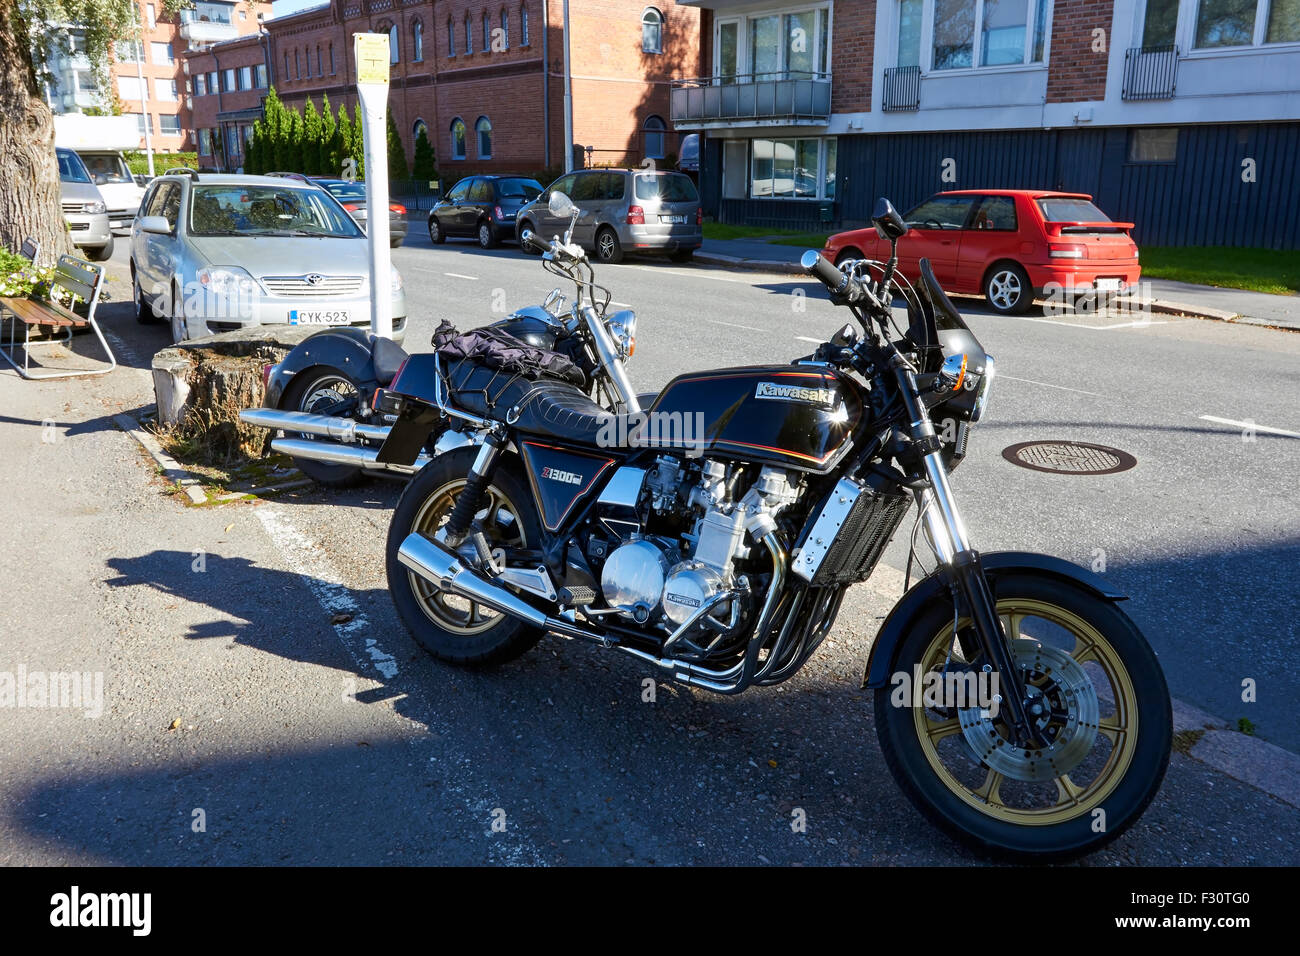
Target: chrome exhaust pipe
[(333, 453), (304, 423)]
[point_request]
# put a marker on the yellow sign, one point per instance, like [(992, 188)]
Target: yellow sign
[(372, 57)]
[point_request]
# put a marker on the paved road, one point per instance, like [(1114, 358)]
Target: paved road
[(303, 740)]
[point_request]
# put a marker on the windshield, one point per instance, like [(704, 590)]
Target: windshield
[(235, 210), (70, 168), (106, 168), (525, 189), (1065, 209), (345, 191), (666, 187)]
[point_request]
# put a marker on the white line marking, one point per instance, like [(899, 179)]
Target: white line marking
[(701, 274), (310, 563), (1251, 425), (1030, 381), (1091, 328), (733, 325), (804, 338), (457, 275)]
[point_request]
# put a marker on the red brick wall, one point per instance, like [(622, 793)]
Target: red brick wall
[(853, 30), (1077, 72)]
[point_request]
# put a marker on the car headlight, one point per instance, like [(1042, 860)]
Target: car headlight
[(395, 280), (95, 208), (982, 396), (227, 281), (622, 328)]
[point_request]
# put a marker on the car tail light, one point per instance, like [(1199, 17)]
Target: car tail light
[(397, 207), (635, 216), (1063, 251), (699, 215), (351, 206)]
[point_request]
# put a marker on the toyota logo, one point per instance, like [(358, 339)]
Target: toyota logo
[(314, 279)]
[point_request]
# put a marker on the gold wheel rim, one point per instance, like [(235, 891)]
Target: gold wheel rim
[(446, 611), (1120, 727)]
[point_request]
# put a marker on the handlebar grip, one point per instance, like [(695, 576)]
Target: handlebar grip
[(529, 239), (821, 268)]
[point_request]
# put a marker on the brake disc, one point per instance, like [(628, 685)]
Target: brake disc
[(1067, 715)]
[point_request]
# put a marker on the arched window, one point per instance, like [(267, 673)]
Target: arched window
[(451, 38), (286, 64), (487, 33), (469, 36), (420, 127), (652, 31), (523, 25), (319, 69), (483, 129), (505, 29), (417, 41), (458, 138), (331, 59), (297, 66), (394, 51), (653, 131)]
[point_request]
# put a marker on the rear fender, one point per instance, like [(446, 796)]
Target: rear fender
[(346, 349)]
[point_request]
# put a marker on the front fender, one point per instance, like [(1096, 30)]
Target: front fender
[(915, 603), (346, 349)]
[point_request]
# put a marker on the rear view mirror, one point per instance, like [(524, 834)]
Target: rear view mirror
[(560, 205), (158, 225), (889, 224)]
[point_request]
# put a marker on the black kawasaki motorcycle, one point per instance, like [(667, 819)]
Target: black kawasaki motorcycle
[(712, 536)]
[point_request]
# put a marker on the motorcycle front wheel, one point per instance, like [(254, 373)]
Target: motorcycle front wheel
[(1095, 691)]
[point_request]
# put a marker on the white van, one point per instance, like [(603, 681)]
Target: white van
[(99, 141)]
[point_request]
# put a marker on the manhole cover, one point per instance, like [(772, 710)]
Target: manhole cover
[(1069, 457)]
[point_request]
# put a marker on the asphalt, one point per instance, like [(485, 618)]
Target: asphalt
[(271, 686)]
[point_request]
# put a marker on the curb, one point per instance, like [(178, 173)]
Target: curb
[(172, 469), (749, 265)]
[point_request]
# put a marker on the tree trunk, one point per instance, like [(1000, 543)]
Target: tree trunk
[(29, 171)]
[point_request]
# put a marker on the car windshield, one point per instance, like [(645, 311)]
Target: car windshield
[(107, 168), (70, 168), (525, 189), (255, 210), (1066, 209), (666, 187), (347, 190)]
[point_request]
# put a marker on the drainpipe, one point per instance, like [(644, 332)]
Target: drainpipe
[(568, 98), (144, 90), (221, 128), (546, 90)]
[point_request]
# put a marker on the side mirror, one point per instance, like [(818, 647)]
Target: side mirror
[(158, 225), (560, 205), (889, 224)]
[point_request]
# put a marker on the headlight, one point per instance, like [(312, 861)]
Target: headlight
[(227, 281), (95, 208), (622, 327), (395, 280), (982, 396)]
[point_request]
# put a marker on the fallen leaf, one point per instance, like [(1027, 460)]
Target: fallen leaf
[(175, 724), (340, 618), (228, 527), (772, 764)]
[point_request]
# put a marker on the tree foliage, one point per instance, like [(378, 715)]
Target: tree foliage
[(424, 168), (397, 168)]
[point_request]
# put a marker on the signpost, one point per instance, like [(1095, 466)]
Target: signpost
[(372, 59)]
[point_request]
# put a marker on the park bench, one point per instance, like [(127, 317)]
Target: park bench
[(71, 275)]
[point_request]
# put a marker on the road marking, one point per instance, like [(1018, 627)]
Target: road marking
[(1250, 425), (457, 275), (1140, 323), (804, 338), (311, 564), (733, 325), (701, 274), (1063, 388)]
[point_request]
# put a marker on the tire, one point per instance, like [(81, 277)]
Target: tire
[(1007, 289), (847, 254), (436, 233), (308, 392), (487, 237), (179, 330), (608, 248), (101, 254), (143, 310), (1128, 767), (448, 627), (683, 255), (524, 226), (396, 243)]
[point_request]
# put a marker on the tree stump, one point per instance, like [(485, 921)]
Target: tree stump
[(202, 385)]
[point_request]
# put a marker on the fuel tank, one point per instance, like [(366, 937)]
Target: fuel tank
[(788, 415)]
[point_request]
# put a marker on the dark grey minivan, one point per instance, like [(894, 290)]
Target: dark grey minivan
[(622, 211)]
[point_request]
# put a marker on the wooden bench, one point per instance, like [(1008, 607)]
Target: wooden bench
[(71, 275)]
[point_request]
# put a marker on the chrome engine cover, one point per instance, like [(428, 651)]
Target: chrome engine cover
[(632, 579), (689, 586)]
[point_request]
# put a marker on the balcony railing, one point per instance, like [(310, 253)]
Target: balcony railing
[(786, 97), (207, 27), (902, 89), (1150, 73)]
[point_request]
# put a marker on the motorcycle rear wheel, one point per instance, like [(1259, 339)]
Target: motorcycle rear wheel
[(1103, 698), (321, 391)]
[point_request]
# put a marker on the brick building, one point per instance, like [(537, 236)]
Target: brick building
[(1179, 115), (474, 73)]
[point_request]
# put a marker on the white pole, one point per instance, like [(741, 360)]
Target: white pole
[(372, 59), (568, 97), (144, 89)]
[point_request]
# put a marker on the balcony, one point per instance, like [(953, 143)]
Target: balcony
[(201, 27), (1150, 73), (902, 91), (752, 99)]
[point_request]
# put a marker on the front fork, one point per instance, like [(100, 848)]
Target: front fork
[(961, 563)]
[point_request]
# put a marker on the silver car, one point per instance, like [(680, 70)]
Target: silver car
[(213, 253), (83, 207), (622, 211)]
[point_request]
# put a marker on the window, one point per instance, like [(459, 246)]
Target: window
[(331, 59), (152, 15), (259, 76), (142, 122), (128, 87), (469, 37), (451, 38), (458, 133), (319, 63), (205, 142), (419, 127), (1159, 23), (735, 180), (297, 66), (909, 33), (487, 34), (792, 168), (460, 191), (665, 187), (200, 85), (505, 29), (652, 31), (1002, 27), (213, 85), (523, 26), (169, 124), (165, 90), (417, 42), (245, 77), (1225, 23), (1283, 22), (1070, 209), (286, 64), (996, 213), (483, 130), (769, 46), (1154, 145), (653, 133), (306, 55), (481, 191), (941, 212), (160, 53), (228, 80), (127, 51), (394, 50)]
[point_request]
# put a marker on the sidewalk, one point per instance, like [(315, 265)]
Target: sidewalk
[(1176, 298)]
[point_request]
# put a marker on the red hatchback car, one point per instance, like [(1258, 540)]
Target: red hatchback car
[(1007, 245)]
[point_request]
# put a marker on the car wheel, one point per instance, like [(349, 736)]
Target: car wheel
[(103, 253), (396, 243), (608, 248), (143, 310), (527, 226), (436, 235), (847, 254), (487, 239), (1007, 289), (179, 332)]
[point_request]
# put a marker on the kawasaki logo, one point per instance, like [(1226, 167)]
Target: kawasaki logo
[(681, 599), (568, 477), (796, 393)]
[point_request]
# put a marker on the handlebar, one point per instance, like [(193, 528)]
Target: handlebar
[(841, 285), (566, 251)]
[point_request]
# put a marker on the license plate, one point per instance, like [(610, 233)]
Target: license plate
[(1108, 285), (672, 219), (316, 317)]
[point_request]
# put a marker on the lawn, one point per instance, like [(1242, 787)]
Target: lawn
[(780, 237), (1260, 270)]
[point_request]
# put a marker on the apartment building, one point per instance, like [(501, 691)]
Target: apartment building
[(483, 78), (1180, 115)]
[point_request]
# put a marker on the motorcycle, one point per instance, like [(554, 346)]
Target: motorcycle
[(322, 397), (1016, 704)]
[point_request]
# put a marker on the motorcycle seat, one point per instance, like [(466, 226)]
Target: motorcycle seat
[(387, 357)]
